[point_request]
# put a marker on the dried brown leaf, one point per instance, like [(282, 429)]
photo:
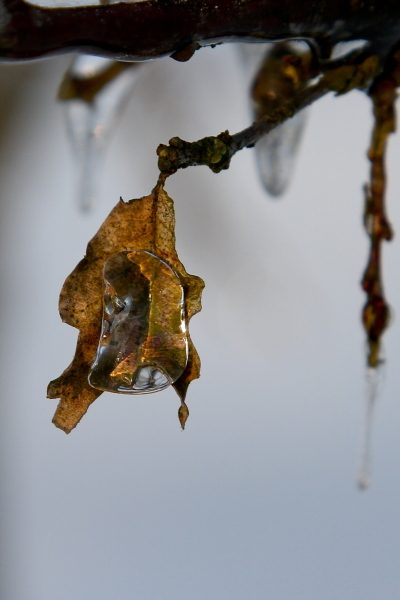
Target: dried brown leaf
[(148, 224)]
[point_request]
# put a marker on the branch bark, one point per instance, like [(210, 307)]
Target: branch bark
[(134, 31)]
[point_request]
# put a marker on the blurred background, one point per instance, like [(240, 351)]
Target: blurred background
[(257, 497)]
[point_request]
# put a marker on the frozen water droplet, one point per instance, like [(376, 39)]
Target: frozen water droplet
[(276, 153), (374, 382), (94, 91), (143, 346)]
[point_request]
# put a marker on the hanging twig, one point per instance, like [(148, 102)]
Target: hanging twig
[(376, 311)]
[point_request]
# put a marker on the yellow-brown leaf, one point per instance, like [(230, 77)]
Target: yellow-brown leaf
[(148, 224)]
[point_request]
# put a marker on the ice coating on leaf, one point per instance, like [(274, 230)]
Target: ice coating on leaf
[(276, 154), (374, 383), (95, 91), (143, 345)]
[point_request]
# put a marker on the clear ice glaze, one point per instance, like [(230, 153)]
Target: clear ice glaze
[(143, 346)]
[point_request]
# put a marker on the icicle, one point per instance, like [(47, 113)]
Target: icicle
[(252, 56), (276, 153), (277, 71), (94, 91), (374, 380)]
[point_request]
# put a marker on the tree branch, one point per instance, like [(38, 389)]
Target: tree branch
[(216, 151), (141, 30)]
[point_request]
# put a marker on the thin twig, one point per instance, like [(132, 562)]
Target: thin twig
[(376, 313), (216, 151)]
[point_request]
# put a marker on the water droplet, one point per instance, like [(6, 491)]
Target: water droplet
[(94, 92), (143, 345), (374, 384)]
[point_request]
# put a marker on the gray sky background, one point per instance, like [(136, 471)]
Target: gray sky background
[(257, 498)]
